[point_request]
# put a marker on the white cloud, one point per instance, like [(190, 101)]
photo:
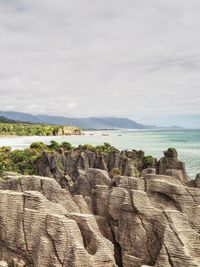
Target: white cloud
[(84, 58)]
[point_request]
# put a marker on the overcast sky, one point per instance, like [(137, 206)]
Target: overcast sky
[(134, 58)]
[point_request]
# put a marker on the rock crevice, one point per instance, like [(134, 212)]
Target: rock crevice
[(103, 220)]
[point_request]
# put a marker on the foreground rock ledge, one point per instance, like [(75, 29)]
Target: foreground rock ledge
[(124, 221)]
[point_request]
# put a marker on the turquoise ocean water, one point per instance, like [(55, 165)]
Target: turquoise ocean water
[(187, 142)]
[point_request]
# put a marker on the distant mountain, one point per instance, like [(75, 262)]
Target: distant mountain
[(84, 123), (190, 121), (6, 120), (19, 116), (174, 127), (94, 123)]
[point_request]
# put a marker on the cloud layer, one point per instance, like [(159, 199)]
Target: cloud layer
[(132, 58)]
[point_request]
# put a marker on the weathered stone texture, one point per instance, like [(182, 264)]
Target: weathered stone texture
[(45, 227), (103, 220)]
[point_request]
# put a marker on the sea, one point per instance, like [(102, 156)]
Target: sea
[(153, 142)]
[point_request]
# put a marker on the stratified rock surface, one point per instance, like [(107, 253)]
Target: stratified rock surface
[(102, 220), (72, 164), (41, 225), (170, 165)]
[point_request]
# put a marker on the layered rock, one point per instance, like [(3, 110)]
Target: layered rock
[(41, 225), (171, 165), (64, 164), (103, 219), (153, 220)]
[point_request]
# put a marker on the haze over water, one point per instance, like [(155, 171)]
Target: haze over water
[(187, 142)]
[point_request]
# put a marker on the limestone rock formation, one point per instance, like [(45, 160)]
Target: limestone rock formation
[(153, 220), (170, 165), (76, 162), (41, 225), (101, 220)]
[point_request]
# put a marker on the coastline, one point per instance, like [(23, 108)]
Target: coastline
[(186, 142)]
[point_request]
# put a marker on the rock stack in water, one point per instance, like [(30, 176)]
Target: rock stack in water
[(103, 219)]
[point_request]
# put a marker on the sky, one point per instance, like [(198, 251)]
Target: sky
[(132, 58)]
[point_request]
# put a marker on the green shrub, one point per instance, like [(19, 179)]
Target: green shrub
[(66, 146), (87, 147), (170, 152), (38, 145), (105, 148), (116, 171), (54, 145), (5, 149), (149, 162), (22, 161)]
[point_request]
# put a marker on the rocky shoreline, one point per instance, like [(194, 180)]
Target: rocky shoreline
[(86, 208)]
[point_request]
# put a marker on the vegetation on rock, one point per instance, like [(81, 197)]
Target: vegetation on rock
[(115, 172), (105, 148), (149, 162), (21, 129), (26, 161), (23, 161), (170, 152)]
